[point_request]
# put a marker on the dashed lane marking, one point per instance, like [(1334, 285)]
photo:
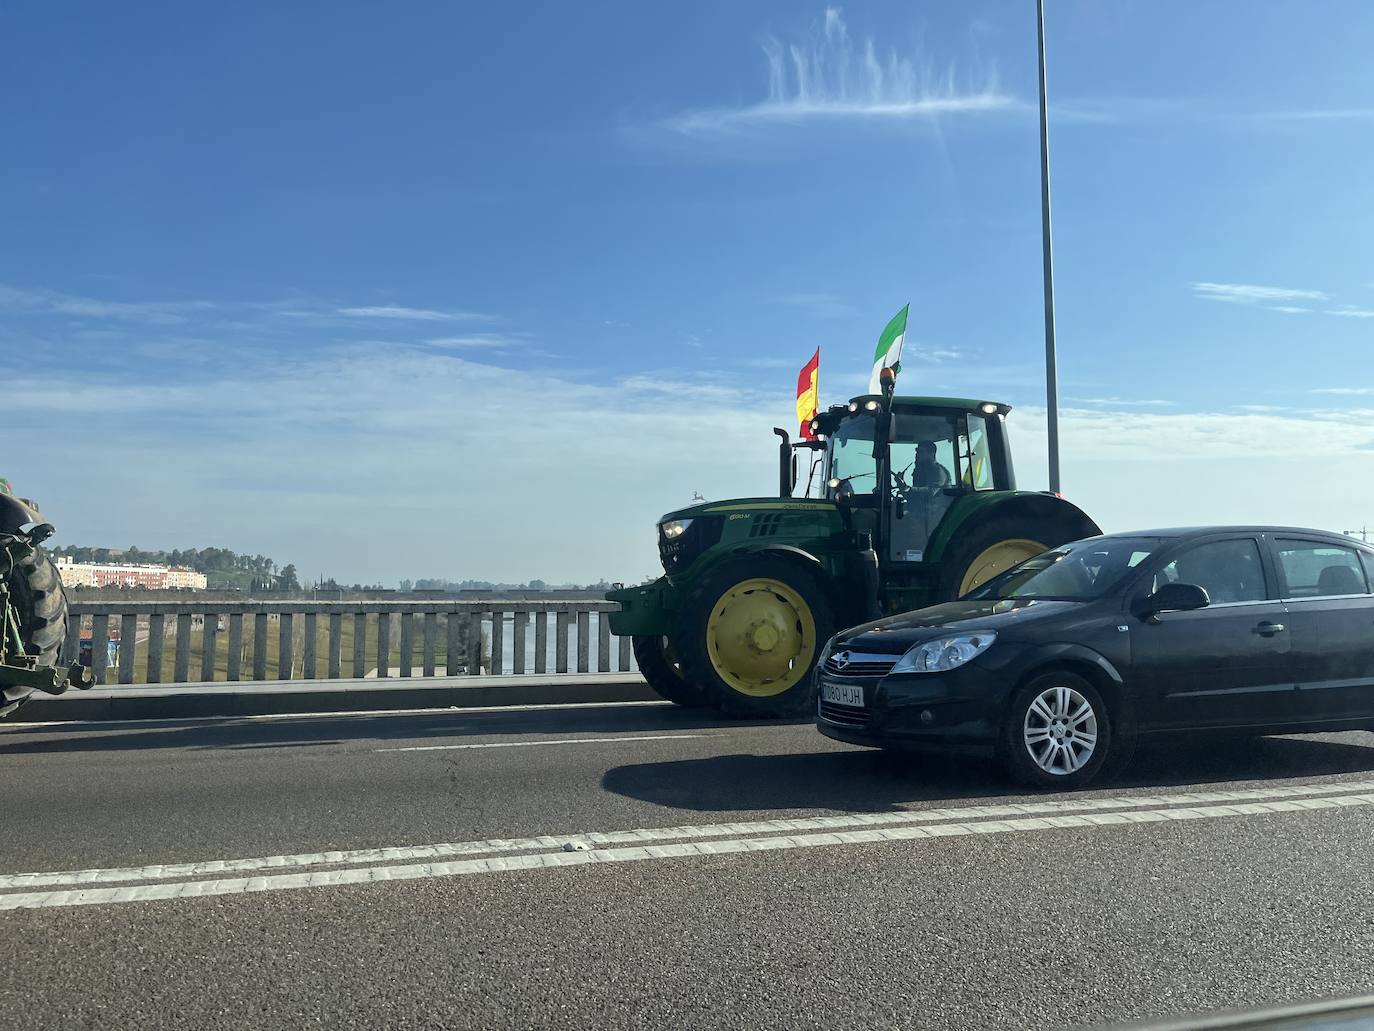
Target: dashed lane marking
[(1049, 809), (638, 853), (547, 741)]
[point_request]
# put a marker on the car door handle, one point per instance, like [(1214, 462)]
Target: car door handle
[(1267, 629)]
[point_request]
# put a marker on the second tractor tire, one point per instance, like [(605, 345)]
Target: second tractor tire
[(41, 603), (750, 633), (996, 545)]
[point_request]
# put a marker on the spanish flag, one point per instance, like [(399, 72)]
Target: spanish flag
[(809, 394)]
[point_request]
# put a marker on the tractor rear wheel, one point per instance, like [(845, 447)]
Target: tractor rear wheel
[(750, 635), (661, 669), (41, 604), (993, 547)]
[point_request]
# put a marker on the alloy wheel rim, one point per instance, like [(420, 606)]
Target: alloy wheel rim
[(1060, 731)]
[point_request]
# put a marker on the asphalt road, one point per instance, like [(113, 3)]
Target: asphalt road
[(623, 866)]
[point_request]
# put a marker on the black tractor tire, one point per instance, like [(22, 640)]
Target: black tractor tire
[(1022, 764), (970, 547), (661, 669), (692, 641), (37, 596)]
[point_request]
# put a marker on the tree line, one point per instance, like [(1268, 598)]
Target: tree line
[(218, 564)]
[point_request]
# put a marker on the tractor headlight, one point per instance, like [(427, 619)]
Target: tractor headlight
[(674, 528), (944, 653)]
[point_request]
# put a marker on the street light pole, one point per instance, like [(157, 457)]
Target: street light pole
[(1051, 369)]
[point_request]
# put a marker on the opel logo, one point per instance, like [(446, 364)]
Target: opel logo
[(841, 660)]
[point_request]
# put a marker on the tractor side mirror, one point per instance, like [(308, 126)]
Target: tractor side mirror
[(1176, 597)]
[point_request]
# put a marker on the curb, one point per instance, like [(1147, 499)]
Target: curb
[(274, 698)]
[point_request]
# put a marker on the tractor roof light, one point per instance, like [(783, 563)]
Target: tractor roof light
[(853, 406), (871, 406), (988, 407)]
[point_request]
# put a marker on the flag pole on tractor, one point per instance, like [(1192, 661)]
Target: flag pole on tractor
[(889, 351), (809, 395)]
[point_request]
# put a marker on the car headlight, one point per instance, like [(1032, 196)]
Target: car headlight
[(674, 528), (944, 653)]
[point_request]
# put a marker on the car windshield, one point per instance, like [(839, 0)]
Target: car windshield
[(1075, 572)]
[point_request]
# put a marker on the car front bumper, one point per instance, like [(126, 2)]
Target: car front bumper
[(960, 709)]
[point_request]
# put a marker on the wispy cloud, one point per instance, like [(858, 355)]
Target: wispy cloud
[(828, 75), (1346, 391), (819, 304), (931, 355), (1120, 402), (1248, 293), (395, 311), (1289, 309), (1351, 312), (475, 341), (1330, 114), (17, 299)]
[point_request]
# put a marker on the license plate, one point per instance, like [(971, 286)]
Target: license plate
[(843, 694)]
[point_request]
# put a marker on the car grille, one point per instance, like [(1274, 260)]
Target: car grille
[(843, 715), (859, 665)]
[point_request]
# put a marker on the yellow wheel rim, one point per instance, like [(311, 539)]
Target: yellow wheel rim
[(761, 637), (998, 559)]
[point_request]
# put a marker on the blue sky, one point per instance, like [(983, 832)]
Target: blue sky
[(435, 289)]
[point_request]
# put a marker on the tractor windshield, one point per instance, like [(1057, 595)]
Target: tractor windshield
[(850, 456)]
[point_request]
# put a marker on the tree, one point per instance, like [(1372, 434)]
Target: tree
[(289, 581), (407, 585)]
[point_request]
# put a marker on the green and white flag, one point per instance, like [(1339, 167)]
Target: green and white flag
[(889, 352)]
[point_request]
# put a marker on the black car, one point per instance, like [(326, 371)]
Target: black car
[(1066, 659)]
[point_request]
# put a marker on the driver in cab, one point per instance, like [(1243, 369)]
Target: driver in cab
[(927, 472)]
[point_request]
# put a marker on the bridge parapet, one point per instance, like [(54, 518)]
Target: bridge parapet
[(205, 640)]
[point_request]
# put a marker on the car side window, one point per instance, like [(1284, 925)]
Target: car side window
[(1313, 569), (1229, 571)]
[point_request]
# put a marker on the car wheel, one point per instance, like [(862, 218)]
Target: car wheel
[(1058, 732)]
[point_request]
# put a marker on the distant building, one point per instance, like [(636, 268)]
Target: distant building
[(126, 574), (185, 577)]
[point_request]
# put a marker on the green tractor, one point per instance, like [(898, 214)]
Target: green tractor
[(918, 505)]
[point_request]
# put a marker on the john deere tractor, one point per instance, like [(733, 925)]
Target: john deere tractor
[(916, 504)]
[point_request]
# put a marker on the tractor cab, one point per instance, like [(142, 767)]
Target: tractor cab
[(900, 479)]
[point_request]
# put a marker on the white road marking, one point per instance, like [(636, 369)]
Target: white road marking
[(16, 725), (547, 741), (467, 867), (1048, 809)]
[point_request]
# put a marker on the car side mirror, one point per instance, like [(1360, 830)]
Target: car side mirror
[(1176, 597)]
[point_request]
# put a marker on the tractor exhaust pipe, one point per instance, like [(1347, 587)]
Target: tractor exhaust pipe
[(786, 479)]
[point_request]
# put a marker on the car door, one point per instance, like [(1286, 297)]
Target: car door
[(1331, 617), (1227, 664)]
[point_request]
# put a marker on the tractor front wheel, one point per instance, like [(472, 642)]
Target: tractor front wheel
[(663, 672), (990, 549), (751, 633)]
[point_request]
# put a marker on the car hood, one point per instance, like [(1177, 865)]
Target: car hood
[(898, 633)]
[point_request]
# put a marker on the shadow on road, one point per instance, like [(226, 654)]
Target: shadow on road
[(872, 781), (296, 731)]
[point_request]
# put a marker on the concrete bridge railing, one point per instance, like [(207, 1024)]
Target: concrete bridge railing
[(161, 642)]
